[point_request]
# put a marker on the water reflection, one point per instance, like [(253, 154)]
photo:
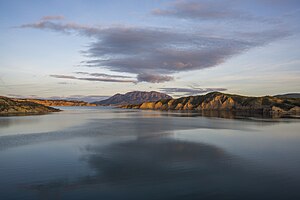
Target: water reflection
[(5, 122), (125, 154), (78, 116), (130, 126), (226, 114), (164, 168)]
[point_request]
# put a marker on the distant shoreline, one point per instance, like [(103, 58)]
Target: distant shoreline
[(54, 102)]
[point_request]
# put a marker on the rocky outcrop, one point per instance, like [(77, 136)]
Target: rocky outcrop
[(217, 101), (295, 110), (136, 97), (57, 102), (14, 107)]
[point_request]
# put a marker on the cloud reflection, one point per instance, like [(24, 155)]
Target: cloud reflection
[(166, 168)]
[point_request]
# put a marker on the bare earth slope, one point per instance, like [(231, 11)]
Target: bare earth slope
[(10, 106), (225, 102)]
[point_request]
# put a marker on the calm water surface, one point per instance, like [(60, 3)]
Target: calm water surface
[(105, 153)]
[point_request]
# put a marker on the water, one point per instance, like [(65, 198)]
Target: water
[(105, 153)]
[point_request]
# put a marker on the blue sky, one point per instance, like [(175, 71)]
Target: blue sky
[(181, 47)]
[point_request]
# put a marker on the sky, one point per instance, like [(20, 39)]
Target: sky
[(96, 48)]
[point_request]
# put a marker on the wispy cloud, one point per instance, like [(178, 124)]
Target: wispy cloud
[(190, 91), (93, 79), (102, 75), (63, 83), (53, 17), (63, 27), (204, 10)]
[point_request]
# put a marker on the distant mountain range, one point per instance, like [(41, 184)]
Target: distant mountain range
[(289, 95), (135, 97), (218, 101), (85, 98), (10, 106)]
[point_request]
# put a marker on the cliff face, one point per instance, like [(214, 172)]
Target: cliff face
[(57, 102), (224, 102), (13, 107), (136, 97)]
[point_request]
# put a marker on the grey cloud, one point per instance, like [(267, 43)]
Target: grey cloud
[(53, 17), (103, 75), (146, 51), (190, 91), (153, 78), (172, 60), (63, 76), (63, 83), (107, 80), (205, 10), (63, 27), (160, 51), (93, 79)]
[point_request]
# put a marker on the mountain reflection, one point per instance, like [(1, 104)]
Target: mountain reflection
[(138, 155), (166, 168), (134, 126)]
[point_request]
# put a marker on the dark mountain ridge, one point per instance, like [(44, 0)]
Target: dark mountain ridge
[(288, 95), (135, 97)]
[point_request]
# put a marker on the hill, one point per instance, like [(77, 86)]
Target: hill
[(289, 95), (135, 97), (10, 106), (217, 101), (47, 102)]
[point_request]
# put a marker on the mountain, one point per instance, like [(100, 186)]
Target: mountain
[(10, 106), (135, 97), (47, 102), (289, 95), (217, 101)]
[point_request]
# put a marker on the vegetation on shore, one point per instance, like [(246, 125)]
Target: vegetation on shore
[(217, 101), (47, 102), (10, 106)]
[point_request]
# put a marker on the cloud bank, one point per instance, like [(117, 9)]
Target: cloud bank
[(154, 54), (202, 10)]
